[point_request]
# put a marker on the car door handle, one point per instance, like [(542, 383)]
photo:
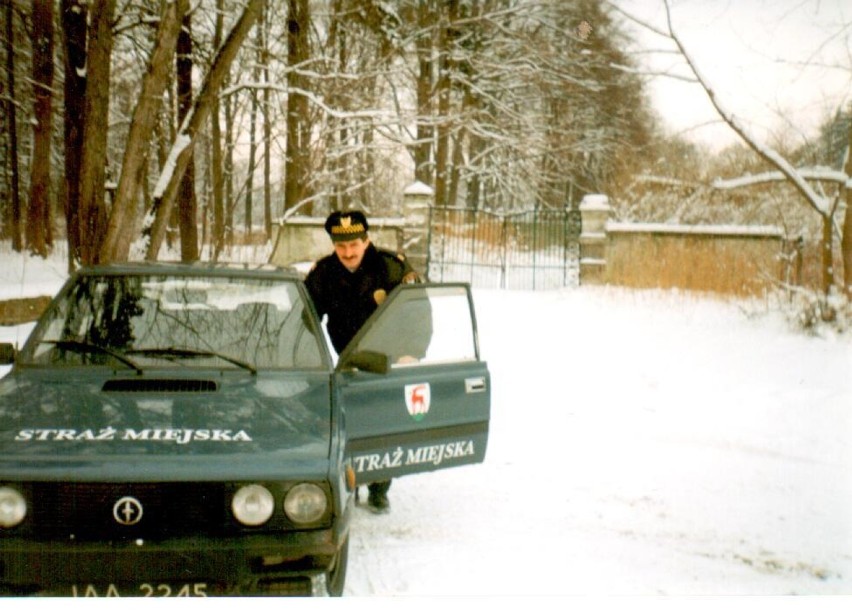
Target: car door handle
[(474, 385)]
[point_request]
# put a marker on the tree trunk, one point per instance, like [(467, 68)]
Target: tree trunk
[(846, 241), (366, 168), (298, 22), (217, 235), (423, 146), (230, 129), (446, 65), (14, 222), (827, 249), (122, 222), (267, 125), (92, 214), (187, 204), (227, 236), (74, 14), (167, 186), (455, 169), (252, 154), (38, 211), (337, 50)]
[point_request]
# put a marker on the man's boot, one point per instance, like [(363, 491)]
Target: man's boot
[(378, 501)]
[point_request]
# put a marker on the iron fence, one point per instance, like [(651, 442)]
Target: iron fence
[(536, 249)]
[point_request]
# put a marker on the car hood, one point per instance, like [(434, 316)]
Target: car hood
[(72, 422)]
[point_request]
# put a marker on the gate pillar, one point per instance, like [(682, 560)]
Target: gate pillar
[(595, 210), (416, 205)]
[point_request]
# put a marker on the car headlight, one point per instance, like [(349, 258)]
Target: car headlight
[(305, 503), (253, 505), (13, 507)]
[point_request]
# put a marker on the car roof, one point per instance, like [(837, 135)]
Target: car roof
[(189, 269)]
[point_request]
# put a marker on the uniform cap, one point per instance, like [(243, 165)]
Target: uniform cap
[(346, 226)]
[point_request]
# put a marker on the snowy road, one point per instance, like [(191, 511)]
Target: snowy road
[(641, 444)]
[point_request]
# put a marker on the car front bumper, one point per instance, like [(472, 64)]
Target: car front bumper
[(260, 564)]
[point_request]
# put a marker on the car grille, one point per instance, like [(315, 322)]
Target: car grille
[(89, 511)]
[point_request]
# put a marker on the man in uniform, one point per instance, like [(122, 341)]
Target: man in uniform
[(349, 285)]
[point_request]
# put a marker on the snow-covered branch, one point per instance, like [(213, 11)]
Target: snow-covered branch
[(814, 174), (636, 71), (667, 181), (173, 171), (819, 203)]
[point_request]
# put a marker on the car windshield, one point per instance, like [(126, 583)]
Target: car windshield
[(155, 321)]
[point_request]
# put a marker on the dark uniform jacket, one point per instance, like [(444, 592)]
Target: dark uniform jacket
[(349, 298)]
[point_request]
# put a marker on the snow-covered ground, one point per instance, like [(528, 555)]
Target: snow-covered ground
[(642, 443)]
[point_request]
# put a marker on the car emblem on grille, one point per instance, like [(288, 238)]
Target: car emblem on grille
[(127, 510)]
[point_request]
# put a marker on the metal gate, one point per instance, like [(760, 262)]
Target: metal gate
[(536, 249)]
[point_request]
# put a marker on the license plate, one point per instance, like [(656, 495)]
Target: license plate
[(140, 590)]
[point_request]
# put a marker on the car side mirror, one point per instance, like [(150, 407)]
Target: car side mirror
[(7, 353), (368, 361)]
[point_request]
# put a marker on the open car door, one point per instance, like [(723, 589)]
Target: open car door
[(415, 393)]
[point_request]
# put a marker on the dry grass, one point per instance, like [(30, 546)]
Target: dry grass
[(736, 266)]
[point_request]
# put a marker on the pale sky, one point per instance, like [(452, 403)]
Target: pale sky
[(780, 65)]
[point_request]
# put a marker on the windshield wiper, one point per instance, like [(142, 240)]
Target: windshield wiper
[(188, 352), (83, 347)]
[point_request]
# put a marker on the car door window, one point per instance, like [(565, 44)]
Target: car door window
[(423, 325)]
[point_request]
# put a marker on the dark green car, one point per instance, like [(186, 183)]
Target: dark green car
[(183, 430)]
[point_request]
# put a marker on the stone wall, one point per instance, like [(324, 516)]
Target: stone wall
[(300, 240), (303, 240), (737, 260)]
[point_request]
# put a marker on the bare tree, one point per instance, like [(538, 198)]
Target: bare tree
[(38, 231), (166, 191), (823, 205), (116, 244), (457, 86), (263, 43), (187, 206), (216, 171), (446, 63), (423, 170), (73, 14), (298, 125), (92, 216), (252, 153), (13, 222), (846, 241)]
